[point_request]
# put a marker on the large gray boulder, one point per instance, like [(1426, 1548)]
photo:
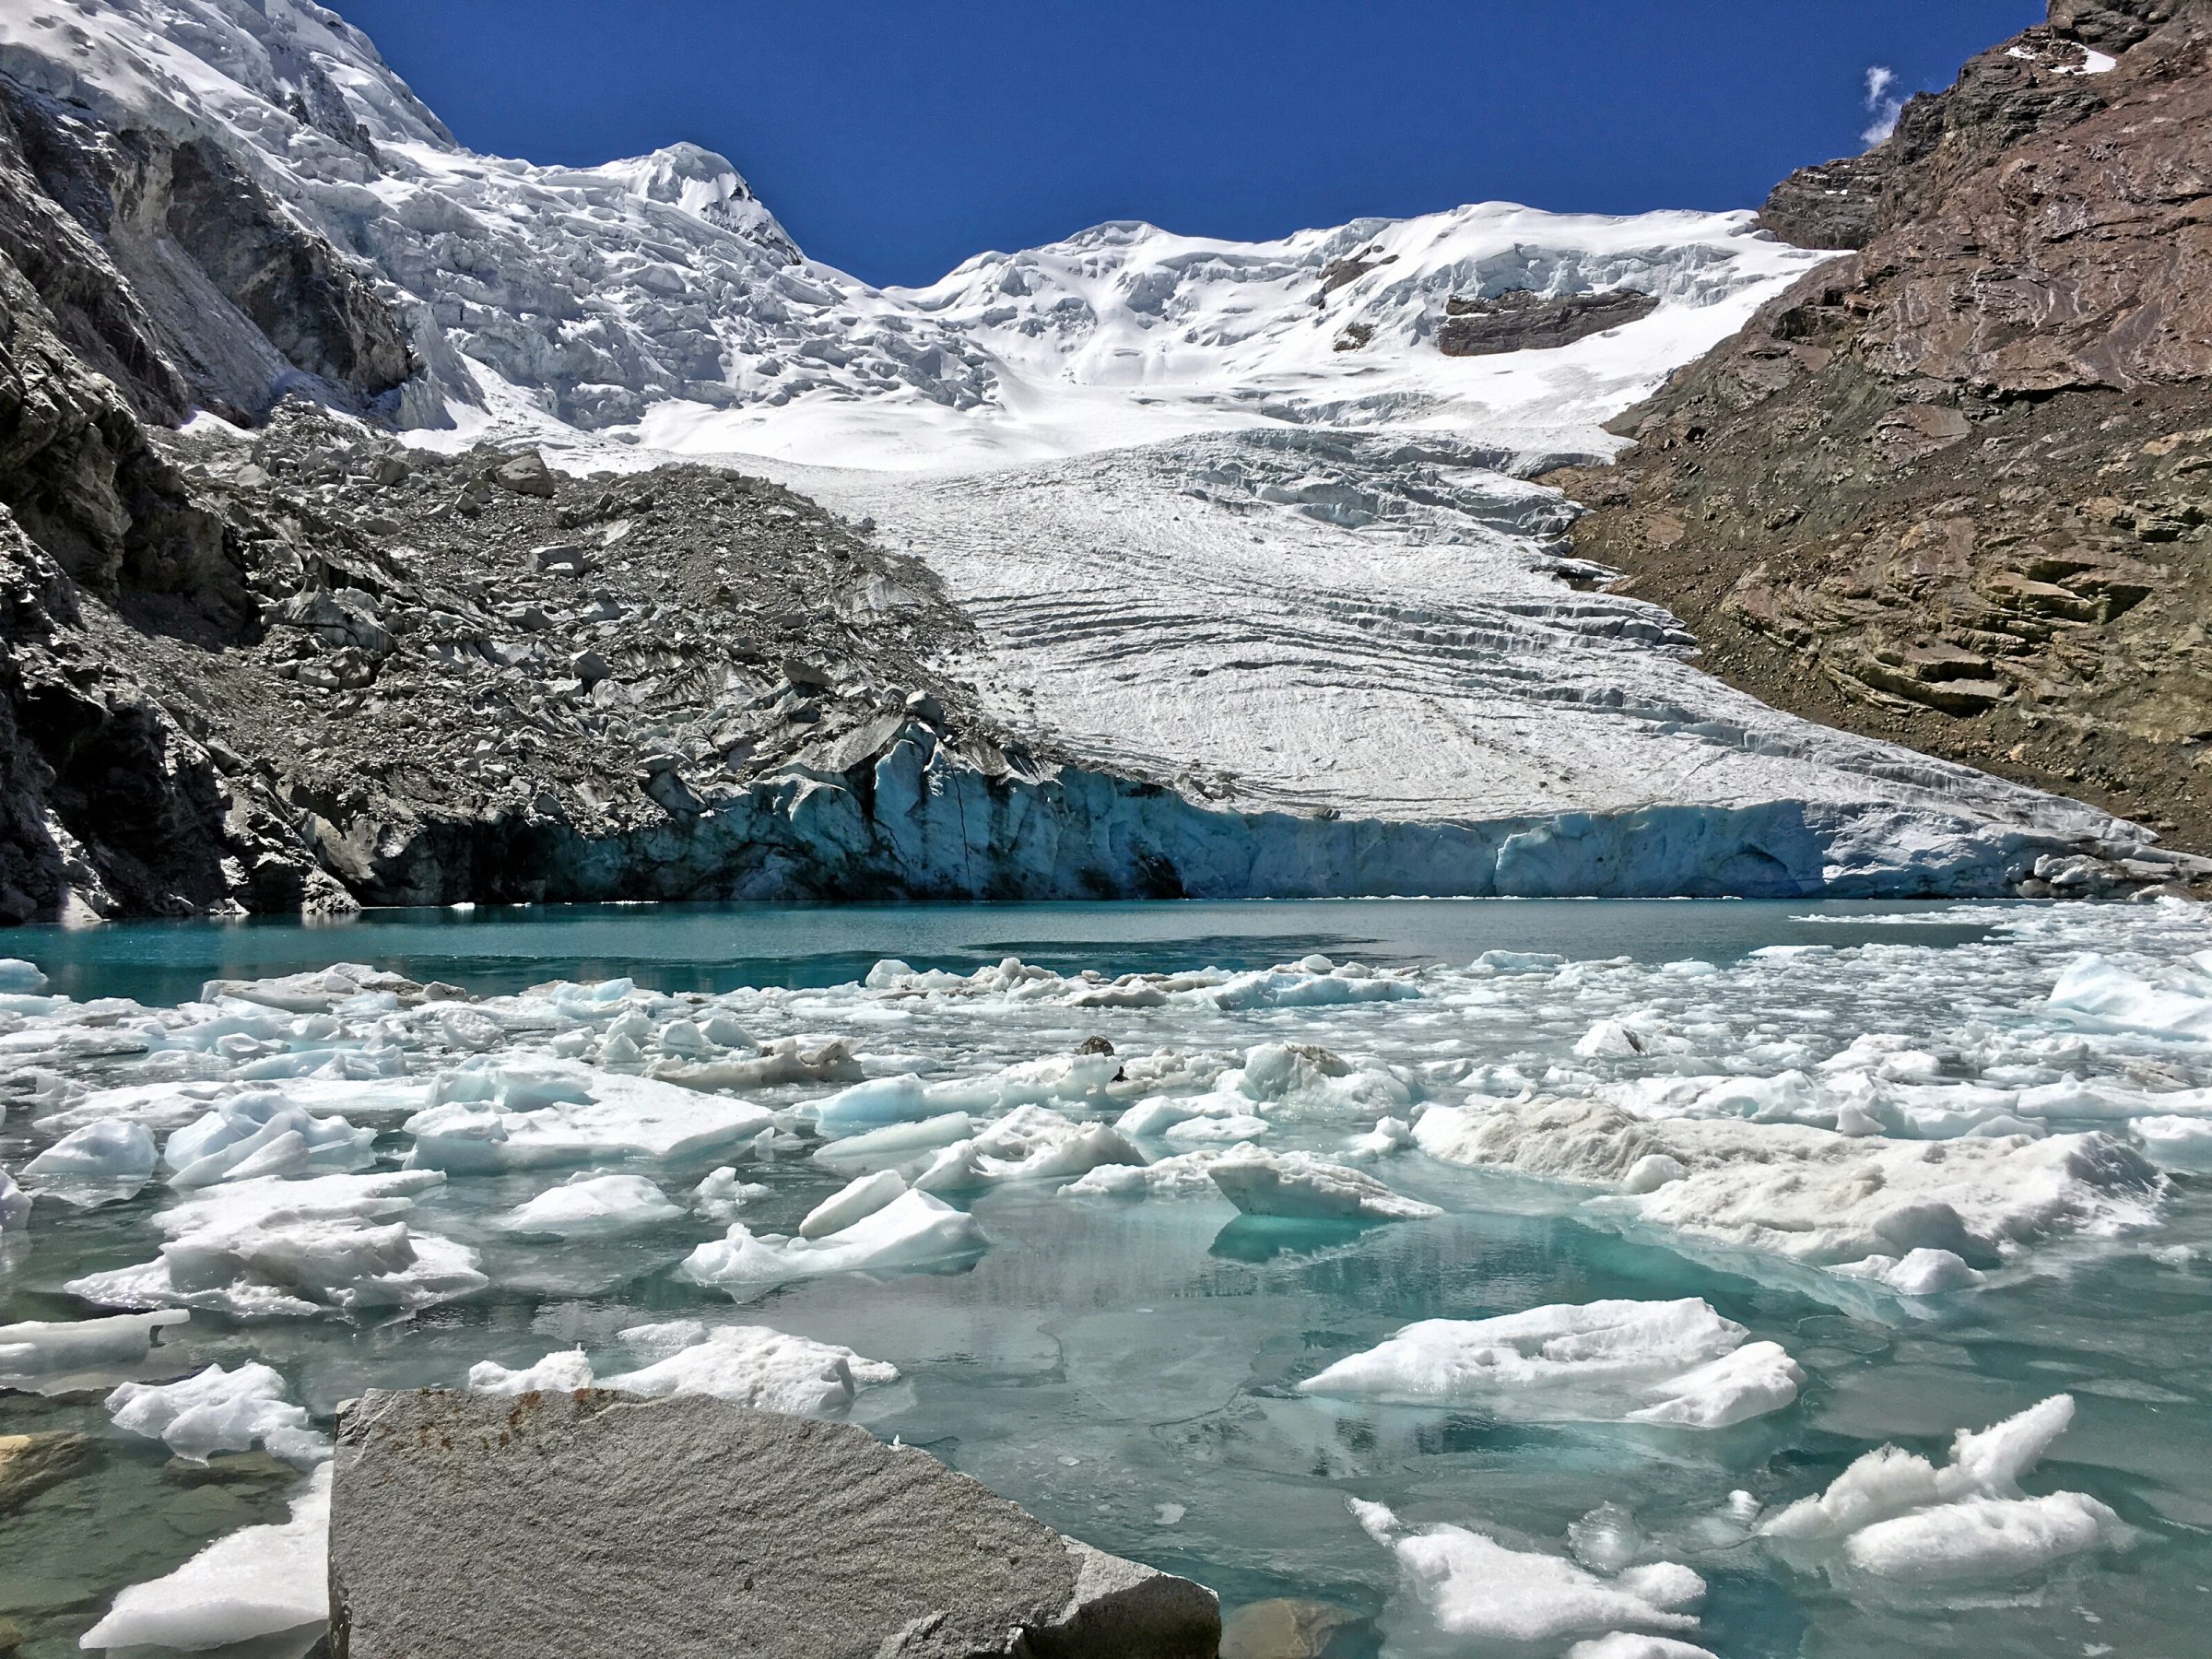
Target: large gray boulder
[(470, 1527)]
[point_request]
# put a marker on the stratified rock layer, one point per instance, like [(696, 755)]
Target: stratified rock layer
[(1955, 489), (587, 1524)]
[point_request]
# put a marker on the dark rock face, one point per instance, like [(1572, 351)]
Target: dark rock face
[(167, 268), (1956, 487), (1518, 320), (589, 1525)]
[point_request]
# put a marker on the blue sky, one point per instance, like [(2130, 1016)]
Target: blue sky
[(897, 139)]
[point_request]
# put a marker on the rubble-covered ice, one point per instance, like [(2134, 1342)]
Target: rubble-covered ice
[(1673, 1362), (263, 1580)]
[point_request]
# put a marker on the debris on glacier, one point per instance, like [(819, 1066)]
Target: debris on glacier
[(1893, 1519), (1673, 1362), (261, 1581), (219, 1410)]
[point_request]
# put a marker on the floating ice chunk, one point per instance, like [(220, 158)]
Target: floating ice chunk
[(2104, 993), (1227, 1126), (1917, 1272), (1474, 1588), (1982, 1539), (263, 1134), (1672, 1363), (871, 1104), (541, 1117), (1155, 1114), (42, 1347), (1185, 1175), (219, 1410), (316, 992), (593, 1207), (780, 1065), (914, 1230), (720, 1195), (1298, 1184), (1034, 1143), (894, 1143), (561, 1372), (107, 1159), (257, 1249), (1516, 961), (263, 1580), (1296, 988), (1892, 1515), (1056, 1077), (2173, 1142), (14, 1203), (1304, 1073), (860, 1197), (1808, 1194), (1389, 1134), (1631, 1645), (760, 1368), (20, 978)]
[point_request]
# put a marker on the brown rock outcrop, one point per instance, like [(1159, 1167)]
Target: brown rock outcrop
[(1955, 488)]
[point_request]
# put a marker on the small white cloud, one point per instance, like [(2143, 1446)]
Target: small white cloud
[(1882, 103)]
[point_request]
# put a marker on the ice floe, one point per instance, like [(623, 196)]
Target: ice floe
[(914, 1230), (263, 1580), (39, 1347), (272, 1247), (1894, 1518), (1299, 1184), (593, 1207), (1670, 1362), (1472, 1589), (219, 1410)]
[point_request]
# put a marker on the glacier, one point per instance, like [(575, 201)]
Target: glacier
[(1255, 565)]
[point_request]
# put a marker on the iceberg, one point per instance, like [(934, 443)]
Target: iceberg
[(44, 1346), (1474, 1589), (593, 1207), (1299, 1184), (1894, 1517), (263, 1580), (754, 1366), (1677, 1363), (219, 1410), (916, 1231), (103, 1162)]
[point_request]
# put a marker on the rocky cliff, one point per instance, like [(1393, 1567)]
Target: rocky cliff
[(1955, 488)]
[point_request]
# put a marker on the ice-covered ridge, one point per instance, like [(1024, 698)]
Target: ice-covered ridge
[(660, 289)]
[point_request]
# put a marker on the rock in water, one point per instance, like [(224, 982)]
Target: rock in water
[(689, 1526)]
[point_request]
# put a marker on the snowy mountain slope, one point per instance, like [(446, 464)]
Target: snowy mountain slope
[(1206, 613), (1227, 515), (659, 291)]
